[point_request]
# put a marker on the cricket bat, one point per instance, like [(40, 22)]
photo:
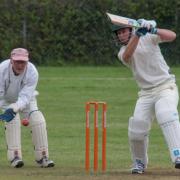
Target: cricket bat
[(120, 20)]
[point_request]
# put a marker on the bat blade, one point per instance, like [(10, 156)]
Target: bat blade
[(120, 20)]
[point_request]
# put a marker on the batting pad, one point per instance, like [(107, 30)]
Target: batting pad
[(39, 134), (168, 119), (171, 131), (13, 138), (138, 140), (139, 150)]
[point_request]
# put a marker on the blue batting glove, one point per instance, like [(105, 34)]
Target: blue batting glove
[(8, 115), (141, 32)]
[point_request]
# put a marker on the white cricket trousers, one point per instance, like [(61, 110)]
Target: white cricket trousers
[(160, 103)]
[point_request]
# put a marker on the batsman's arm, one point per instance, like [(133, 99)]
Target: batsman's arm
[(131, 47), (166, 35), (132, 44)]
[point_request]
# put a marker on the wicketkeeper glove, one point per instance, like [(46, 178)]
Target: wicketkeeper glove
[(141, 32), (8, 115)]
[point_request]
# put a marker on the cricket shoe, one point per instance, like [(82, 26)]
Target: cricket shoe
[(17, 162), (45, 163), (138, 167), (177, 163)]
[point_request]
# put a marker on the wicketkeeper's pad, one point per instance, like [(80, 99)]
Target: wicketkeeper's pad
[(13, 138), (39, 134)]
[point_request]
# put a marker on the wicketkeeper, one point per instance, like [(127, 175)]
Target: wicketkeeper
[(18, 81), (158, 95)]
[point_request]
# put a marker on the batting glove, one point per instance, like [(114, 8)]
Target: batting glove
[(8, 115), (147, 23), (141, 32), (153, 30)]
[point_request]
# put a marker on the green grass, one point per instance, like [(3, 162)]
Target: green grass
[(63, 94)]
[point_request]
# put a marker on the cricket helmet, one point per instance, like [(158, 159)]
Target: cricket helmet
[(116, 27)]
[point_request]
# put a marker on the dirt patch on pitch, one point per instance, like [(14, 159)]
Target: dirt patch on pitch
[(150, 174), (60, 173)]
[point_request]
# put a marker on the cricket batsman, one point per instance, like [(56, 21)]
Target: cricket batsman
[(18, 81), (158, 96)]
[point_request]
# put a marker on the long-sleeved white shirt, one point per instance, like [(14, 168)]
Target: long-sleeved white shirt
[(17, 89), (147, 63)]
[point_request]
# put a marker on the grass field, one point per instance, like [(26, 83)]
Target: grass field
[(63, 94)]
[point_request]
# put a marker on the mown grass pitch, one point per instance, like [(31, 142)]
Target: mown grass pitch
[(63, 94)]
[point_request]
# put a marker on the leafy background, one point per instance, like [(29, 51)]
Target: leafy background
[(77, 32)]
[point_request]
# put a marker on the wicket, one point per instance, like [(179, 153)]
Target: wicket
[(87, 158)]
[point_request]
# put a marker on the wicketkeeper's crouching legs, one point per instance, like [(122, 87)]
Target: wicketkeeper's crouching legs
[(37, 124), (39, 138)]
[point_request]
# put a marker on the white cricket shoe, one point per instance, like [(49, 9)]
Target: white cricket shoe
[(138, 167), (17, 162), (45, 163)]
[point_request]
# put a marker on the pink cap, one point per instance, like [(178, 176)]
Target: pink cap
[(20, 54)]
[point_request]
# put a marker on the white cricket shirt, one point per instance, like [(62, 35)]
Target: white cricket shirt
[(17, 89), (147, 63)]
